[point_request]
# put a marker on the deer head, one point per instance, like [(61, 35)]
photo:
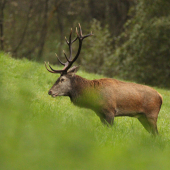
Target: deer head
[(63, 85)]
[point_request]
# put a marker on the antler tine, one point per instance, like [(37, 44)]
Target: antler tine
[(80, 35), (69, 44), (66, 41), (66, 56), (51, 67), (59, 60), (70, 48), (74, 40), (70, 36), (52, 70), (88, 35), (80, 30), (48, 69), (77, 33)]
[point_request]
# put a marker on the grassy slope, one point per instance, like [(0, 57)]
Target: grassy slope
[(40, 132)]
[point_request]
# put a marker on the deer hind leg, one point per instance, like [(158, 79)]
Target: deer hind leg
[(149, 123)]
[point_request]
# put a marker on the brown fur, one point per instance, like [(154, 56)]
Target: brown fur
[(116, 98), (111, 98)]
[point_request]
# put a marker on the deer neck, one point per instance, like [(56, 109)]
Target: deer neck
[(79, 86), (84, 93)]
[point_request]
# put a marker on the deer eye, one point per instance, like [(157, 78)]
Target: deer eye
[(62, 79)]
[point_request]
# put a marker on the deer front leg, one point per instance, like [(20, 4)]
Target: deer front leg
[(107, 117)]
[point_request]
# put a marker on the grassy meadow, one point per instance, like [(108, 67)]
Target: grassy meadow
[(41, 132)]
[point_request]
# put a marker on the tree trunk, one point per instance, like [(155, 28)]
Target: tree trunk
[(2, 7), (43, 32)]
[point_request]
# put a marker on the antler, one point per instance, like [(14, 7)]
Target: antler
[(70, 61)]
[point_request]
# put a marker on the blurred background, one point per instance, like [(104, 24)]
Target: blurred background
[(131, 37)]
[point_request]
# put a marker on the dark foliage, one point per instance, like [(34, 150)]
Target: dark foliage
[(145, 54), (131, 37)]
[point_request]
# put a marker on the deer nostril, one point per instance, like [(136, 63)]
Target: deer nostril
[(49, 92)]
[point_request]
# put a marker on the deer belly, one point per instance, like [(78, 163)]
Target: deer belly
[(132, 108)]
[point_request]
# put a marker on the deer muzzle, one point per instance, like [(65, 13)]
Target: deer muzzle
[(52, 94)]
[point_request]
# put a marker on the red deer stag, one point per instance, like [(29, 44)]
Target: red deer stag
[(108, 97)]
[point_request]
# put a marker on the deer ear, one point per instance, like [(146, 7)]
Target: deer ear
[(73, 70)]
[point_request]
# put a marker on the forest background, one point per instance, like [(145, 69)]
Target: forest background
[(131, 37)]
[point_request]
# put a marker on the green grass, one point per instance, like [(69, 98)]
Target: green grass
[(41, 132)]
